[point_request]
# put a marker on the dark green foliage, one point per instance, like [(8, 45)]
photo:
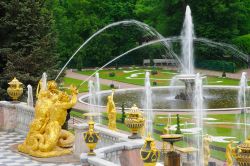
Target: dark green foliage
[(178, 128), (217, 65), (154, 72), (112, 86), (243, 42), (123, 113), (154, 83), (112, 74), (79, 63), (75, 21), (217, 20), (224, 74), (27, 43)]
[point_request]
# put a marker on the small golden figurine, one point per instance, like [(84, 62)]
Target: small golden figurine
[(111, 111), (91, 137), (15, 89), (229, 158), (206, 140), (46, 137)]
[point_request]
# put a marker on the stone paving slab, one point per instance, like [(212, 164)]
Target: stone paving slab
[(9, 157)]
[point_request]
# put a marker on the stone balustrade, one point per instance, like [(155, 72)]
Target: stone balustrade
[(123, 153), (111, 146), (108, 137), (15, 116)]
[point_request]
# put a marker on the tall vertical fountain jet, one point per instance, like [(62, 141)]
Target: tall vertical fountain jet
[(187, 50), (148, 105), (187, 76)]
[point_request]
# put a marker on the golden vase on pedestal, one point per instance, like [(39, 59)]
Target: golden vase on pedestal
[(134, 121), (149, 153), (91, 138), (15, 89), (242, 153)]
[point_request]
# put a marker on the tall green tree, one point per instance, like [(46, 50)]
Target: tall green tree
[(27, 42)]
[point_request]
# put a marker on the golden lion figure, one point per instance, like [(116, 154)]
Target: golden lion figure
[(45, 137)]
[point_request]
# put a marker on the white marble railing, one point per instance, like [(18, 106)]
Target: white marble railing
[(110, 155), (25, 115), (108, 137), (15, 116)]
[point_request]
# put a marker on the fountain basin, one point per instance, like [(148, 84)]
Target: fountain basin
[(221, 98)]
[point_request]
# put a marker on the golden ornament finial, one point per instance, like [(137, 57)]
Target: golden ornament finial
[(15, 89)]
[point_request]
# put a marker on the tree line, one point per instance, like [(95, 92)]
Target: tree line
[(40, 35)]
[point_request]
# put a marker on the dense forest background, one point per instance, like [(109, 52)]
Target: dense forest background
[(40, 35), (219, 20)]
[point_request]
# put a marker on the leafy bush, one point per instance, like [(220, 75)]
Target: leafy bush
[(154, 72), (112, 86), (224, 74), (154, 83), (123, 113), (112, 74), (243, 42), (217, 65)]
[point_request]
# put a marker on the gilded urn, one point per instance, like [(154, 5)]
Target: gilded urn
[(15, 89), (91, 138), (242, 153), (134, 121), (149, 153)]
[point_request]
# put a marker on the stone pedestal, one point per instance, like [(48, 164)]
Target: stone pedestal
[(79, 144), (172, 159), (131, 157), (211, 163)]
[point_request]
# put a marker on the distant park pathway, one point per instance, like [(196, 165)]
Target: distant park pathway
[(82, 77), (236, 75), (82, 106)]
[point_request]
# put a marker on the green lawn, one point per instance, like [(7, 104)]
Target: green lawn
[(84, 88), (122, 76), (165, 75)]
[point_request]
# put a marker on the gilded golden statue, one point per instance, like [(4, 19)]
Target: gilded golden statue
[(229, 151), (206, 141), (45, 137), (111, 111)]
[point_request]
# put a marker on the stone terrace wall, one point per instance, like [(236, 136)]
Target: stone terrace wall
[(15, 116)]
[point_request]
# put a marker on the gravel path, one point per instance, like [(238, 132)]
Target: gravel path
[(120, 85), (217, 73)]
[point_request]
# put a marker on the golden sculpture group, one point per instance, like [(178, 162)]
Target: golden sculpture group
[(45, 137)]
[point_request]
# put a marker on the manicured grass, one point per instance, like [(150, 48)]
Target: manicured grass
[(84, 88), (123, 76)]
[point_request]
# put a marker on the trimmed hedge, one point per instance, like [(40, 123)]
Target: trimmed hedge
[(243, 42), (217, 65)]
